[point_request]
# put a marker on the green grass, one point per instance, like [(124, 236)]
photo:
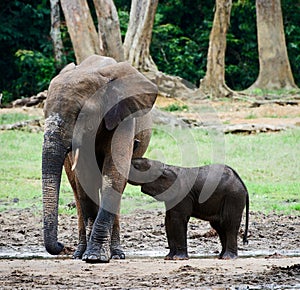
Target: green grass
[(20, 171), (14, 118), (251, 116), (278, 92), (268, 164), (176, 108)]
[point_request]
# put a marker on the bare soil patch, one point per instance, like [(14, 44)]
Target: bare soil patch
[(270, 261)]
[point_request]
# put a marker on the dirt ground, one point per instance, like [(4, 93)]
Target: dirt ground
[(271, 260)]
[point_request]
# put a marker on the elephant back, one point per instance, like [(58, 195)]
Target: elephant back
[(119, 86)]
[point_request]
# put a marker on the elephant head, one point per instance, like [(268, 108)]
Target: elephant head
[(120, 92)]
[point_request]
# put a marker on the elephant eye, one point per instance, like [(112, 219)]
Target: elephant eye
[(137, 166)]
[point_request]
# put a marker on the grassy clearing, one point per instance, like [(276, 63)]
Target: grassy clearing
[(268, 163), (14, 118)]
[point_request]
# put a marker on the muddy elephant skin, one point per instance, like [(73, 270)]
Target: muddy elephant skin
[(214, 193), (93, 113)]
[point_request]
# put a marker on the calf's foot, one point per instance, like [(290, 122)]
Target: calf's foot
[(228, 256), (180, 257), (177, 255)]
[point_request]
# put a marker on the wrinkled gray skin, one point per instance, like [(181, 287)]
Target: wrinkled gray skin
[(223, 208), (84, 112)]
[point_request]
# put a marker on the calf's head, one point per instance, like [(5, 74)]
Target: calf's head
[(154, 176)]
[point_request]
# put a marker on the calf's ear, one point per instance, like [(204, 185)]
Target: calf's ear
[(127, 94)]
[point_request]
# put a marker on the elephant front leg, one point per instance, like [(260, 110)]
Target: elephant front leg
[(115, 172), (99, 245), (176, 228)]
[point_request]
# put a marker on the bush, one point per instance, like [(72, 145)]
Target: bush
[(36, 71)]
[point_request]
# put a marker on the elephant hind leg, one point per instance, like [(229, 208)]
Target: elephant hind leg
[(231, 245), (222, 235), (230, 223), (115, 246), (86, 209), (81, 226)]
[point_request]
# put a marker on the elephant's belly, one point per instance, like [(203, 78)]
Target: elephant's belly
[(207, 212)]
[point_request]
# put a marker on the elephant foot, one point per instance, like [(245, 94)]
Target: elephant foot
[(176, 258), (228, 256), (117, 254), (96, 253), (79, 251), (178, 255)]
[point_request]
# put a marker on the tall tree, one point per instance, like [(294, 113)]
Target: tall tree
[(81, 28), (58, 47), (214, 81), (138, 37), (109, 29), (274, 66)]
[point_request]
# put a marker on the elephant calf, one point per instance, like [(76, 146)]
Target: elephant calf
[(214, 193)]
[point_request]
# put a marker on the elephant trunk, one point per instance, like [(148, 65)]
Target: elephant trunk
[(53, 156)]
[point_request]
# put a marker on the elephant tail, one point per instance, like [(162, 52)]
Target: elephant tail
[(245, 239)]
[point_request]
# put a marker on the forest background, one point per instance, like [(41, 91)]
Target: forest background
[(179, 45)]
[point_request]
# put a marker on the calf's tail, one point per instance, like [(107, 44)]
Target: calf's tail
[(245, 239)]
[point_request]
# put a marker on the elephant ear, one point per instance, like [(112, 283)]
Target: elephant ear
[(128, 94)]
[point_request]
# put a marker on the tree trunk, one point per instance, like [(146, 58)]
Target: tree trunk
[(274, 67), (214, 80), (81, 28), (138, 37), (58, 47), (109, 29)]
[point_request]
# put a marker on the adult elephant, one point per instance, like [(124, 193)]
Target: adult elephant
[(95, 114)]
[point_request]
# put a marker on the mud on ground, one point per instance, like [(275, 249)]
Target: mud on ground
[(270, 261)]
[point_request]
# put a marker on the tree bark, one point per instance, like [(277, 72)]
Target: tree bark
[(109, 29), (81, 28), (274, 67), (214, 81), (55, 34), (138, 37)]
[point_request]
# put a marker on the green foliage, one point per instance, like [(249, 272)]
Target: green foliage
[(179, 42), (7, 97), (25, 26), (241, 60), (39, 71), (175, 53), (124, 20), (291, 11), (180, 38)]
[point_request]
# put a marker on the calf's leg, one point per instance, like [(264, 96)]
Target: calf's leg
[(176, 228)]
